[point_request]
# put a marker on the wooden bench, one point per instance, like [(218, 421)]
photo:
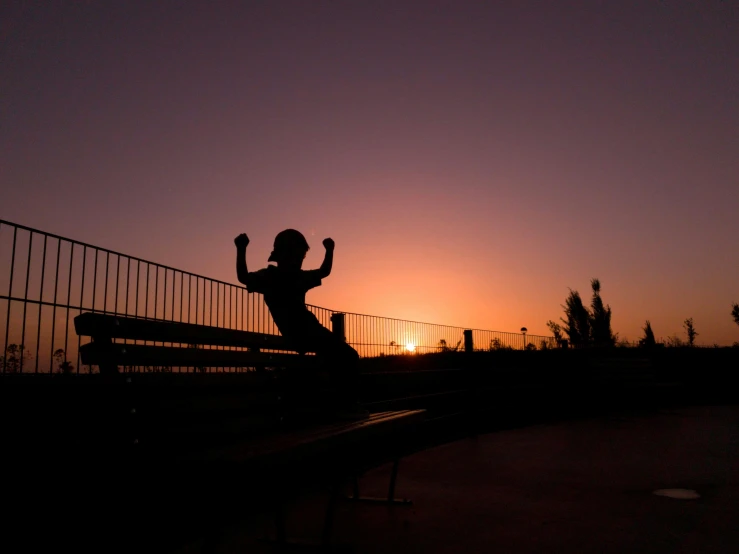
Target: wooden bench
[(258, 431)]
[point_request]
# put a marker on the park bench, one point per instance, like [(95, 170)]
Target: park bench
[(257, 435)]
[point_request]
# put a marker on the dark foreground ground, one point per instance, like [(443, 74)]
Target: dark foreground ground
[(577, 486)]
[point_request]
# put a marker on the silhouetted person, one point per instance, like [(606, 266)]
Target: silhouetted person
[(284, 287)]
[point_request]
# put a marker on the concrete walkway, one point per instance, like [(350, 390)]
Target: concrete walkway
[(575, 487)]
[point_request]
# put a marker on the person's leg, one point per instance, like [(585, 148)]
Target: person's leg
[(341, 360)]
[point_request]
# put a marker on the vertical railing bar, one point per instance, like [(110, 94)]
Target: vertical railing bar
[(146, 300), (53, 314), (107, 278), (25, 301), (174, 286), (156, 289), (94, 280), (69, 294), (40, 305), (128, 282), (82, 286), (164, 295), (359, 335), (205, 297), (189, 295), (82, 298), (117, 279), (138, 281), (10, 295), (182, 284)]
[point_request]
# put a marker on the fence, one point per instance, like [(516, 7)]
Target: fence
[(51, 279)]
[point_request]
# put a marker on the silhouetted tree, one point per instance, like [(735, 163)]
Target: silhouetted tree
[(690, 331), (674, 341), (648, 339), (63, 365), (600, 318), (15, 357), (556, 330), (577, 324), (735, 312), (586, 326)]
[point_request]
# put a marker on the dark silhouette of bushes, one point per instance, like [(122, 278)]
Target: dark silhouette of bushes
[(585, 327)]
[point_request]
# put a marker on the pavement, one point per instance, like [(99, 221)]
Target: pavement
[(577, 486)]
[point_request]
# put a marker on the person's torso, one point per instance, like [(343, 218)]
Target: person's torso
[(285, 298)]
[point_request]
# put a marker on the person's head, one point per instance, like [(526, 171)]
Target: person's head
[(289, 249)]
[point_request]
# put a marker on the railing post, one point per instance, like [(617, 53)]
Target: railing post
[(337, 325), (468, 345)]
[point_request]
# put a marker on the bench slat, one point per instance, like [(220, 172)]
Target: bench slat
[(300, 444), (102, 325), (143, 355)]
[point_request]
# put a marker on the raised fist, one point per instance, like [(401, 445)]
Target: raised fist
[(328, 244), (242, 241)]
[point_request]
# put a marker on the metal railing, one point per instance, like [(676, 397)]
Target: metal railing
[(46, 280)]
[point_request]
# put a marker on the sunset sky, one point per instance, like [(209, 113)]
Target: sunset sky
[(472, 160)]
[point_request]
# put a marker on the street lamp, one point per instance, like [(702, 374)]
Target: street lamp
[(523, 330)]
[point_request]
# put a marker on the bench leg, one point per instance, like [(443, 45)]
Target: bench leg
[(282, 542), (330, 514), (391, 500), (280, 524)]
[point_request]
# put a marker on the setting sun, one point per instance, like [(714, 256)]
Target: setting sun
[(410, 347)]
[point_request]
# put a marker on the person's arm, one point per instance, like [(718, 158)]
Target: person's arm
[(241, 242), (328, 260)]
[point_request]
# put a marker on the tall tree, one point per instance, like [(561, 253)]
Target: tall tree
[(577, 324), (690, 331), (735, 312), (600, 318), (648, 338)]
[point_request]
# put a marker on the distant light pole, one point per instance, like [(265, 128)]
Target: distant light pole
[(523, 330)]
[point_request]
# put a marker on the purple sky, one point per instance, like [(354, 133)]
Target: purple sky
[(472, 160)]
